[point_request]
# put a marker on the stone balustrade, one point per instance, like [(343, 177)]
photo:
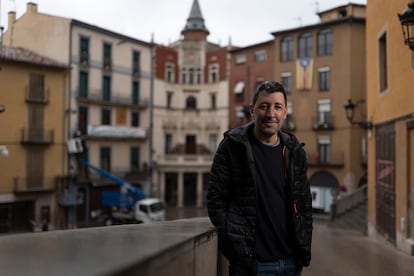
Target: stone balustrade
[(177, 247)]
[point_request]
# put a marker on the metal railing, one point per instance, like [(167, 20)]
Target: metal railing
[(323, 124), (37, 136), (37, 95), (34, 184), (96, 96), (335, 159)]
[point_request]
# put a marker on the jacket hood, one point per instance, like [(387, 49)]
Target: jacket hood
[(240, 133), (289, 139)]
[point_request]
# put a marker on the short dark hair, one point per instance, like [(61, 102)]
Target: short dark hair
[(269, 87)]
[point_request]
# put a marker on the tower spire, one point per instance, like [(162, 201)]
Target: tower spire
[(195, 22)]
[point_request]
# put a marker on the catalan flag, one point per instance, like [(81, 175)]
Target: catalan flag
[(304, 73)]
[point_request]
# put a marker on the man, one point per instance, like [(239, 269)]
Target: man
[(259, 195)]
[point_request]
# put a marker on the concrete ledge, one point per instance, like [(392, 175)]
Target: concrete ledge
[(405, 245), (180, 247)]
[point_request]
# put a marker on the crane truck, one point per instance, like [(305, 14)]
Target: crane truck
[(128, 205)]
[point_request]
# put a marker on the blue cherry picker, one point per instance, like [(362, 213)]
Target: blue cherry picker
[(128, 205)]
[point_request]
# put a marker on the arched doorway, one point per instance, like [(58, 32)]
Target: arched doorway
[(324, 188)]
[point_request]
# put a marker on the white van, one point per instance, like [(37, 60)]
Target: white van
[(149, 210), (144, 211)]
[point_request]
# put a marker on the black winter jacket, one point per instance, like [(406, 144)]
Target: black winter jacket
[(231, 197)]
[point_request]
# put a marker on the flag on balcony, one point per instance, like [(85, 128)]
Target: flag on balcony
[(304, 73)]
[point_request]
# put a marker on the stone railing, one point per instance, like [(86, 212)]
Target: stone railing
[(346, 203), (177, 247)]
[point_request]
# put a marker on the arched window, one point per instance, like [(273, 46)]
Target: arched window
[(191, 103), (286, 49), (305, 45), (325, 42)]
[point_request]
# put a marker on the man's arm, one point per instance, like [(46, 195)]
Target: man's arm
[(218, 187)]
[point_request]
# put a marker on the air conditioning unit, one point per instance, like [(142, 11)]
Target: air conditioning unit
[(75, 145)]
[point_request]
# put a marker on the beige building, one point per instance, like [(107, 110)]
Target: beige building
[(32, 139), (190, 112), (390, 108), (322, 66), (108, 103)]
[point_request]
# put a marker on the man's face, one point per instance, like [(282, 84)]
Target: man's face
[(268, 114)]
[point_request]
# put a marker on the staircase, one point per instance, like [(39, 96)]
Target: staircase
[(350, 212), (353, 219)]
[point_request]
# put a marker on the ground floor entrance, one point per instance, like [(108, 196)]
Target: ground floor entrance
[(183, 189), (17, 217)]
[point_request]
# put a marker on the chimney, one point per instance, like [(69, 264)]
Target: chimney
[(12, 19), (31, 7)]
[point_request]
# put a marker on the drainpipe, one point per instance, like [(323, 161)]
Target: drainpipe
[(151, 126), (69, 110)]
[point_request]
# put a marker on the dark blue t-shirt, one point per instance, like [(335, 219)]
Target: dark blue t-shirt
[(273, 231)]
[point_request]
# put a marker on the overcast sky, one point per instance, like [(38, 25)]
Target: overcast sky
[(245, 21)]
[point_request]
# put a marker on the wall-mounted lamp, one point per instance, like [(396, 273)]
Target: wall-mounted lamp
[(407, 23), (349, 110), (2, 108)]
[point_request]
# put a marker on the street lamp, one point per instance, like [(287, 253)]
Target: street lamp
[(349, 110), (407, 23)]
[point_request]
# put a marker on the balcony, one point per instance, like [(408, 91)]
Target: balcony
[(84, 58), (320, 124), (334, 160), (107, 64), (34, 184), (190, 149), (187, 155), (192, 160), (37, 136), (132, 177), (136, 72), (39, 96), (104, 132), (96, 97)]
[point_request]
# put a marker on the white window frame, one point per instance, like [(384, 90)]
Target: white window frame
[(240, 58), (260, 55), (213, 69), (324, 106), (285, 75)]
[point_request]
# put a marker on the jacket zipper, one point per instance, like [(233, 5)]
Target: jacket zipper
[(287, 162)]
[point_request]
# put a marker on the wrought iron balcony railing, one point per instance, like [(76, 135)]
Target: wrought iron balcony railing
[(34, 184), (97, 97), (37, 136), (37, 95), (323, 124), (326, 161)]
